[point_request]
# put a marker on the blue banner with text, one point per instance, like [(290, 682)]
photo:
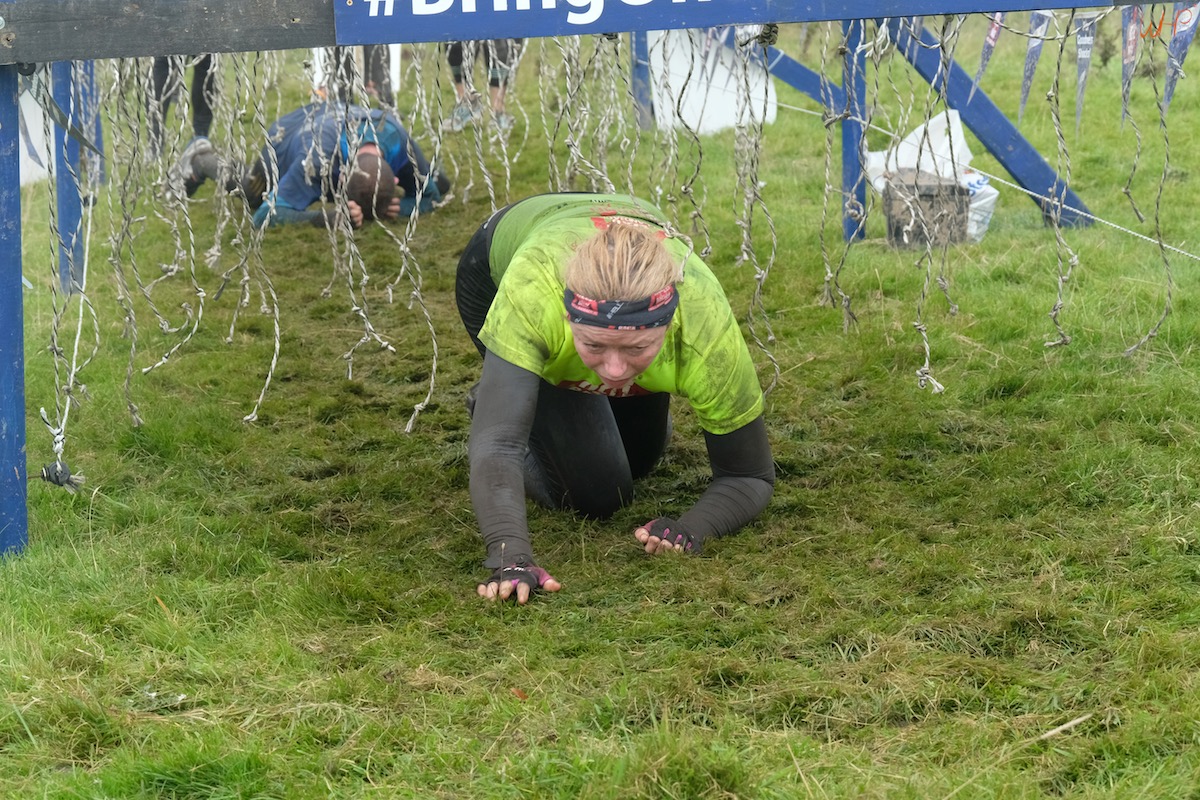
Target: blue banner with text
[(396, 21), (365, 21)]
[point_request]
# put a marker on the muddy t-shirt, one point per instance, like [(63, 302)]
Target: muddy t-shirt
[(704, 357)]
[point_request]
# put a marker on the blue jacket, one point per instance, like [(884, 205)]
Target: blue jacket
[(314, 141)]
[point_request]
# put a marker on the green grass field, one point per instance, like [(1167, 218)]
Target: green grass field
[(983, 593)]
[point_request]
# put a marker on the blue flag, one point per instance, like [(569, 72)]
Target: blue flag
[(989, 44), (1039, 23), (1131, 32), (1183, 30), (1085, 37)]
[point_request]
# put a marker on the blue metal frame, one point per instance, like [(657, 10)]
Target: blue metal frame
[(643, 98), (854, 138), (372, 22), (801, 78), (14, 516), (67, 178), (989, 124), (994, 130)]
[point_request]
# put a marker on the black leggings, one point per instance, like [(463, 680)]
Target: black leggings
[(163, 93), (625, 436), (499, 56)]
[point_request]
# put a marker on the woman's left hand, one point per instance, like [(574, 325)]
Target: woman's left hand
[(665, 535)]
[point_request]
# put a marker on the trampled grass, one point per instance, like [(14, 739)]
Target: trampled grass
[(988, 592)]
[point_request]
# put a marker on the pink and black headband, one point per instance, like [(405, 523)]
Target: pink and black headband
[(654, 311)]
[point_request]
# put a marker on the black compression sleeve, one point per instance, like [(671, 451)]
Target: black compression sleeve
[(743, 480), (503, 417)]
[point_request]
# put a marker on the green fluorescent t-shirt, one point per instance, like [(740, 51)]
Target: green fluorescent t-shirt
[(704, 357)]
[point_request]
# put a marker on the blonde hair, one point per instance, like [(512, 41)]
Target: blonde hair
[(622, 262)]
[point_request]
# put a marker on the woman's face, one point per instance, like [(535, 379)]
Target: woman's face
[(617, 356)]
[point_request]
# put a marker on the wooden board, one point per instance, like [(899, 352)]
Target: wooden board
[(61, 30)]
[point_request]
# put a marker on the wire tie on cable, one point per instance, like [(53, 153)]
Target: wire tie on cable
[(59, 474), (769, 35)]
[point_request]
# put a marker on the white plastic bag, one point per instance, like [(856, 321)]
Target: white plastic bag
[(982, 203)]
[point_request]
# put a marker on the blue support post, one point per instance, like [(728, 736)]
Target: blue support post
[(90, 104), (639, 77), (802, 79), (67, 178), (992, 127), (14, 514), (854, 142)]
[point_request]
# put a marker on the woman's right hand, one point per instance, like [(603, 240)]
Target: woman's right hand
[(666, 535)]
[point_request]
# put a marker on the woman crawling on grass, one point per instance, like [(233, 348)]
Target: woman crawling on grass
[(589, 316)]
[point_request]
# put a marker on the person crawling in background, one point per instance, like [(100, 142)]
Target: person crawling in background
[(308, 158), (589, 316)]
